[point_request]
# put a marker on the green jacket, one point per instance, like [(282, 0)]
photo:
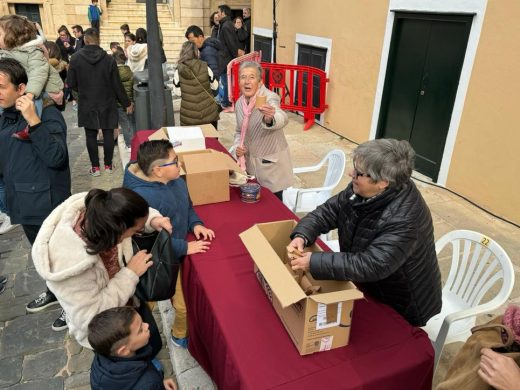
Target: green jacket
[(197, 103), (127, 78)]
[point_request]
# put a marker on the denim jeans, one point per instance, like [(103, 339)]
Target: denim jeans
[(127, 124), (223, 91), (3, 205)]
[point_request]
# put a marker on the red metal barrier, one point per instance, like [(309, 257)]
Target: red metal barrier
[(288, 82)]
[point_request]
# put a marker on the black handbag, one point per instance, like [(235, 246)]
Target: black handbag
[(158, 282)]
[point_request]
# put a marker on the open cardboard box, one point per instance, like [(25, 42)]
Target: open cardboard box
[(315, 323), (193, 139)]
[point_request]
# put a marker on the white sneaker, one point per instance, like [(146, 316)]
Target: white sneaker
[(2, 217), (7, 226)]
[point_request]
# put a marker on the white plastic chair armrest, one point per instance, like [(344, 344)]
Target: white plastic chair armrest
[(472, 311), (315, 189), (312, 168)]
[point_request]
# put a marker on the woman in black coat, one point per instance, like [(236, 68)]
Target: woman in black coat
[(242, 34), (66, 45)]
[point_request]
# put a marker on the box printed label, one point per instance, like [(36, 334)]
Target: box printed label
[(324, 319), (326, 343)]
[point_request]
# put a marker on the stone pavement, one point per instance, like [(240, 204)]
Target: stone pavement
[(32, 356)]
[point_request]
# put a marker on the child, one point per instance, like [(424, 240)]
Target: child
[(113, 47), (94, 14), (154, 177), (126, 121), (19, 39), (123, 357)]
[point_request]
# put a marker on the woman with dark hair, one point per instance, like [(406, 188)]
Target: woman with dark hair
[(137, 52), (242, 34), (65, 42), (214, 23), (194, 81), (81, 248)]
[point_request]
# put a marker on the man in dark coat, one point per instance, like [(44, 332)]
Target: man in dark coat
[(77, 30), (246, 15), (209, 48), (35, 169), (385, 233), (93, 73), (231, 48)]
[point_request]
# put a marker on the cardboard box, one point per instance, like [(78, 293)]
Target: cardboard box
[(208, 131), (315, 323), (207, 175)]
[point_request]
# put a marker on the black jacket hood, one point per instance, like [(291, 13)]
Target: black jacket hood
[(92, 53)]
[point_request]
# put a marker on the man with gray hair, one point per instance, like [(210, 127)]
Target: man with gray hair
[(385, 233)]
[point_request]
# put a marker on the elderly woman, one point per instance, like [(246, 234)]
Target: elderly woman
[(385, 233), (260, 143)]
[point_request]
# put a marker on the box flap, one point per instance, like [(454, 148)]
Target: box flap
[(229, 161), (159, 134), (209, 131), (272, 268), (203, 162), (176, 133), (337, 296)]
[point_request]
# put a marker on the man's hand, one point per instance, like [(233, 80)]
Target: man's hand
[(268, 112), (159, 223), (25, 105), (130, 108), (298, 243), (302, 263), (169, 384), (201, 231), (499, 371), (198, 247), (240, 151)]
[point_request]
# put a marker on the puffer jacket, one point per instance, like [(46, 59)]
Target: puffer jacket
[(127, 78), (197, 105), (209, 52), (387, 247)]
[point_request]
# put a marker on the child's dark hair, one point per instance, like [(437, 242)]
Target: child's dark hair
[(108, 215), (131, 36), (53, 50), (113, 45), (119, 56), (108, 328), (17, 30), (152, 151), (125, 27), (140, 35)]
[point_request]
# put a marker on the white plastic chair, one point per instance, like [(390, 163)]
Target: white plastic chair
[(478, 263), (307, 199)]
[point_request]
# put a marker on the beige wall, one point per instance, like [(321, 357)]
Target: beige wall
[(357, 31), (486, 158)]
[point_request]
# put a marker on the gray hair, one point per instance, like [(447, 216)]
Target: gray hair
[(253, 65), (386, 159), (188, 52)]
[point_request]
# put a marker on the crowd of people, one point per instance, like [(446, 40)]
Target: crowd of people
[(81, 243)]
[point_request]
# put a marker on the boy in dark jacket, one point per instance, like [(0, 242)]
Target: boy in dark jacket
[(209, 48), (154, 177), (123, 357)]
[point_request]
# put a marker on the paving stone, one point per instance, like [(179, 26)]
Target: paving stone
[(44, 365), (31, 333), (73, 346), (28, 284), (16, 262), (12, 308), (81, 362), (11, 369), (44, 384), (78, 380)]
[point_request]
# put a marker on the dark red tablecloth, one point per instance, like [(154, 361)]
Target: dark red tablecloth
[(237, 337)]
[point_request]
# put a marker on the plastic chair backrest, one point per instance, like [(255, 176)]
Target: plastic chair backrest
[(335, 160), (477, 264)]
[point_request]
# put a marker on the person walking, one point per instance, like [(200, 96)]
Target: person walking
[(94, 14), (93, 73)]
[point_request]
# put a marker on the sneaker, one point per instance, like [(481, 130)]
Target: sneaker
[(94, 171), (61, 322), (44, 300), (2, 217), (2, 288), (109, 168), (180, 343), (228, 109), (7, 226), (3, 279)]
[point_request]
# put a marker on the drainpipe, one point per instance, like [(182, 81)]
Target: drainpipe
[(275, 31)]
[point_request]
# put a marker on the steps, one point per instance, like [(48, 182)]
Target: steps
[(119, 12)]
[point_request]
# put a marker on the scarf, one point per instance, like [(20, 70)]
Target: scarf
[(247, 109)]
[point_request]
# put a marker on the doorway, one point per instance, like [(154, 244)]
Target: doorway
[(424, 65), (317, 58), (31, 11)]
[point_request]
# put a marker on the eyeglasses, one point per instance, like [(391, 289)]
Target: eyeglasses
[(174, 162), (356, 173)]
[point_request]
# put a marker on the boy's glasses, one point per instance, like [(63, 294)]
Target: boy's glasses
[(174, 162)]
